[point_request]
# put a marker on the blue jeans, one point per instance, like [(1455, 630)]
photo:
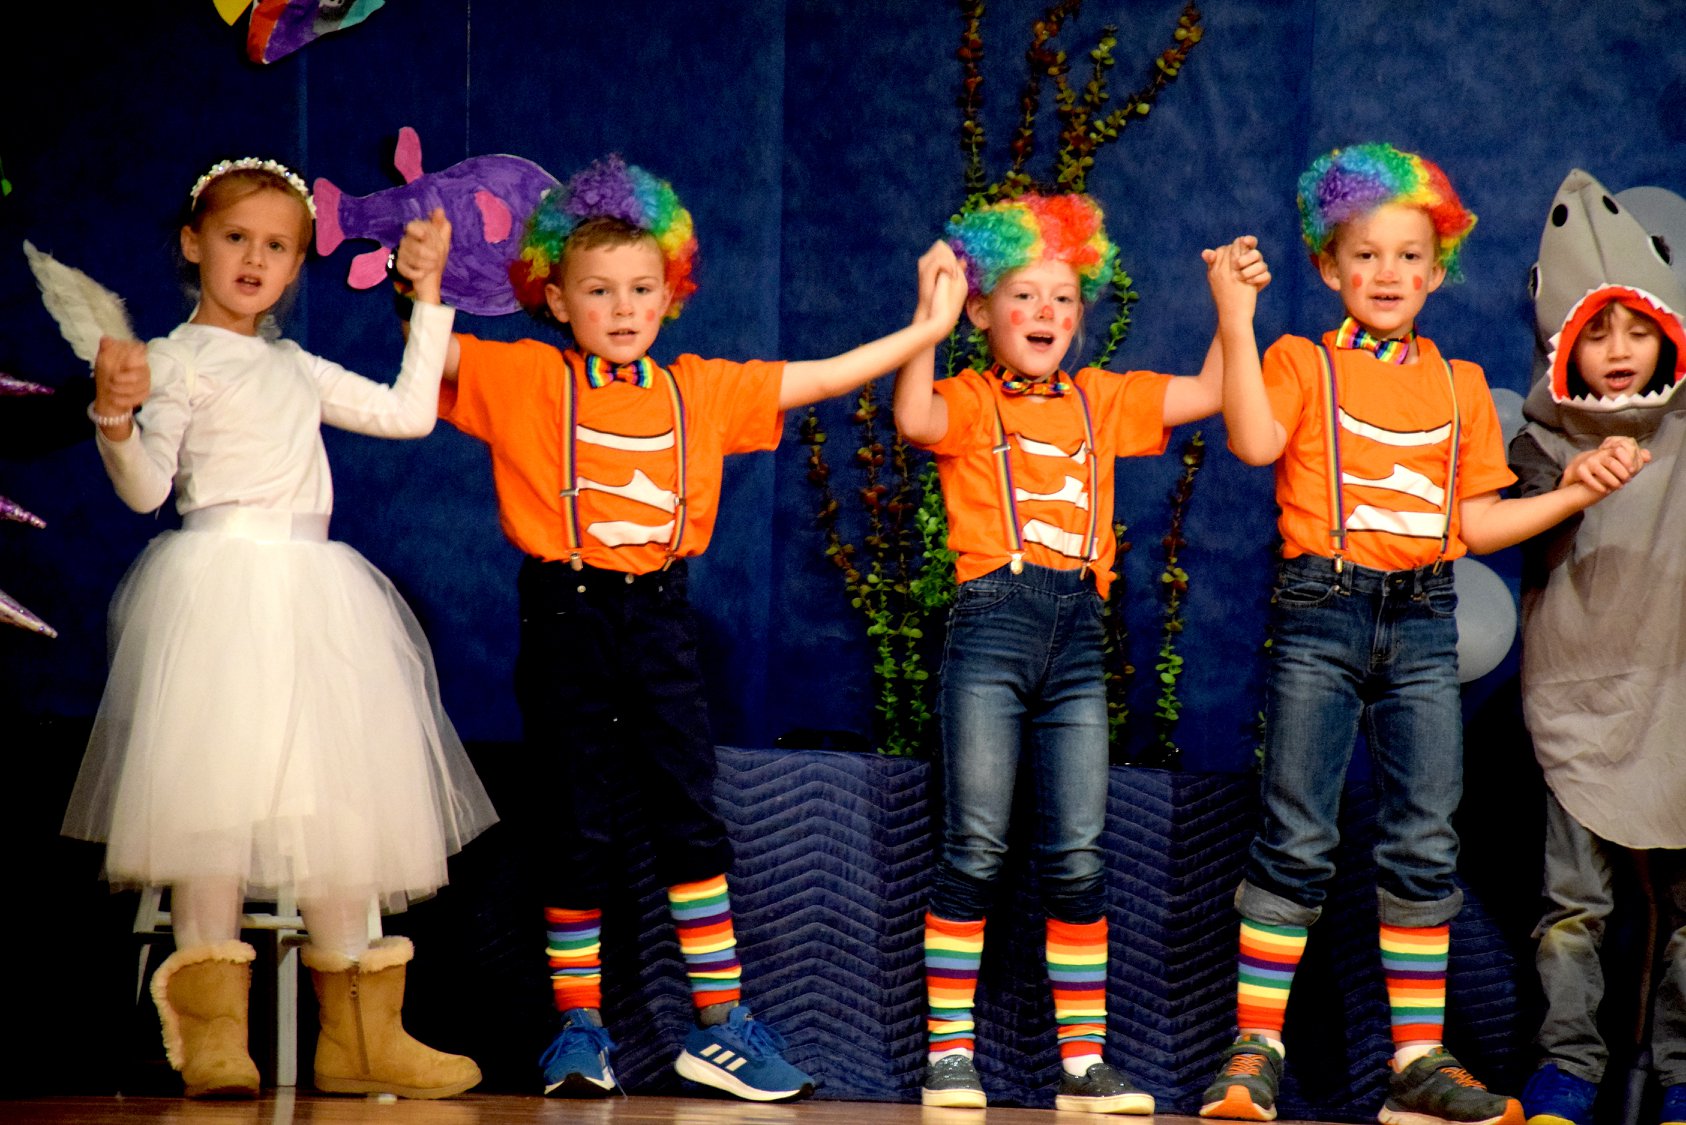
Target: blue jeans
[(1579, 882), (1372, 647), (1022, 672)]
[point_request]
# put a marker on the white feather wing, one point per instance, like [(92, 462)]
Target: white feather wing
[(84, 309)]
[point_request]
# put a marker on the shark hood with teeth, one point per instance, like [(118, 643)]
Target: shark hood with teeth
[(1593, 253), (1603, 657)]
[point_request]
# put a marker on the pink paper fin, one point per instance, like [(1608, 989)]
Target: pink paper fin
[(328, 232), (368, 270), (494, 215), (406, 156)]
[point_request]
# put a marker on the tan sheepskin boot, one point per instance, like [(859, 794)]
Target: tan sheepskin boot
[(363, 1048), (201, 995)]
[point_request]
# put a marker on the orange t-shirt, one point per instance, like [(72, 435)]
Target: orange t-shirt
[(626, 461), (1049, 455), (1395, 448)]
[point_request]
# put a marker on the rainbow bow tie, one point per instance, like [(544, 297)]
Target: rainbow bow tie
[(1354, 336), (1014, 384), (599, 372)]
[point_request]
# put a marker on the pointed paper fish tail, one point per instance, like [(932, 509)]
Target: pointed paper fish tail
[(12, 385), (329, 233), (11, 613), (12, 510)]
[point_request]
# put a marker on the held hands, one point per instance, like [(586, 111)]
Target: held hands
[(122, 381), (1236, 272), (422, 254), (942, 289), (1605, 469)]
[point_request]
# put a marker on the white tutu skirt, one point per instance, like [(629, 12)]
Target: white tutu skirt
[(272, 714)]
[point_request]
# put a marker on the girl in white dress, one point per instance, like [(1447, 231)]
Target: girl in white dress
[(272, 717)]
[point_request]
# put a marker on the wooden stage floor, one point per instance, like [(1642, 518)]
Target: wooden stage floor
[(281, 1107)]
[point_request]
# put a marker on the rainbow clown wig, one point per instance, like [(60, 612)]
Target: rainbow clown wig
[(1350, 182), (994, 240), (609, 189)]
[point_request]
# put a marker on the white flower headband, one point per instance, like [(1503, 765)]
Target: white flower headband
[(253, 163)]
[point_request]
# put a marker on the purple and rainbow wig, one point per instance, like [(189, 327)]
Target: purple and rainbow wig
[(608, 189), (998, 238), (1348, 183)]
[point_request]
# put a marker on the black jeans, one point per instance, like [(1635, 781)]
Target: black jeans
[(612, 705)]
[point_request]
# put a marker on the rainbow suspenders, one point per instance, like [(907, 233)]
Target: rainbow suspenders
[(1009, 499), (570, 467), (1332, 454)]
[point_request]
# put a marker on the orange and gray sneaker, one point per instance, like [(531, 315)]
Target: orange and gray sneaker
[(1436, 1090), (1246, 1085)]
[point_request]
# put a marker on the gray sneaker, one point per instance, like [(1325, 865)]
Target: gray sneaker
[(952, 1081), (1101, 1089), (1246, 1085), (1436, 1090)]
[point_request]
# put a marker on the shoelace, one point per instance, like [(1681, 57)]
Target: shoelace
[(758, 1039), (596, 1040), (1245, 1064), (1463, 1077)]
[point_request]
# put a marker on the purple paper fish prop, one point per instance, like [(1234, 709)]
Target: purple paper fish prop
[(487, 199), (280, 27)]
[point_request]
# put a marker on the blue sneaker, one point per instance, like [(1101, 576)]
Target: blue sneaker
[(1674, 1106), (576, 1064), (1556, 1097), (744, 1058)]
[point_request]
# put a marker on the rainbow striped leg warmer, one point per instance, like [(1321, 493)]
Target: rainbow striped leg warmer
[(1265, 974), (1414, 965), (1077, 974), (952, 952), (576, 960), (702, 915)]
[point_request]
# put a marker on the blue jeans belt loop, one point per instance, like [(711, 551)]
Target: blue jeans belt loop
[(1047, 579), (1345, 579)]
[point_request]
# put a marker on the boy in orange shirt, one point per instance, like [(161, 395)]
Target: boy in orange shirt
[(608, 468), (1363, 623)]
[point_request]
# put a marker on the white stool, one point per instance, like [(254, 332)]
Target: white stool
[(151, 920)]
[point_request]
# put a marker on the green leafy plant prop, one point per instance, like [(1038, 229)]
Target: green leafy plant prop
[(881, 579), (901, 575), (1115, 658), (1173, 583)]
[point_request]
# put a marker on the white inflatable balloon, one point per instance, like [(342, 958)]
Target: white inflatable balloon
[(1486, 618), (1508, 404)]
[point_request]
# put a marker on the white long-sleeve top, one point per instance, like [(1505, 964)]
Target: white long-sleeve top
[(235, 419)]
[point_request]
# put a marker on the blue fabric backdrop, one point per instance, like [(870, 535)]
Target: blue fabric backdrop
[(816, 143)]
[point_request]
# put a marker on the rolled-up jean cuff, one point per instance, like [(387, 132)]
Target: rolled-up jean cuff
[(1396, 911), (1256, 904)]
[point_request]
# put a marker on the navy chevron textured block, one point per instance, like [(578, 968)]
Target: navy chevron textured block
[(834, 853)]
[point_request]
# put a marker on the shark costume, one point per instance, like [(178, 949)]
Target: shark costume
[(1604, 658)]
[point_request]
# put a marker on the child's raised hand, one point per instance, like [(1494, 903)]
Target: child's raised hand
[(122, 377), (1236, 272), (1609, 467), (942, 286), (422, 254), (1249, 260), (1231, 289)]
